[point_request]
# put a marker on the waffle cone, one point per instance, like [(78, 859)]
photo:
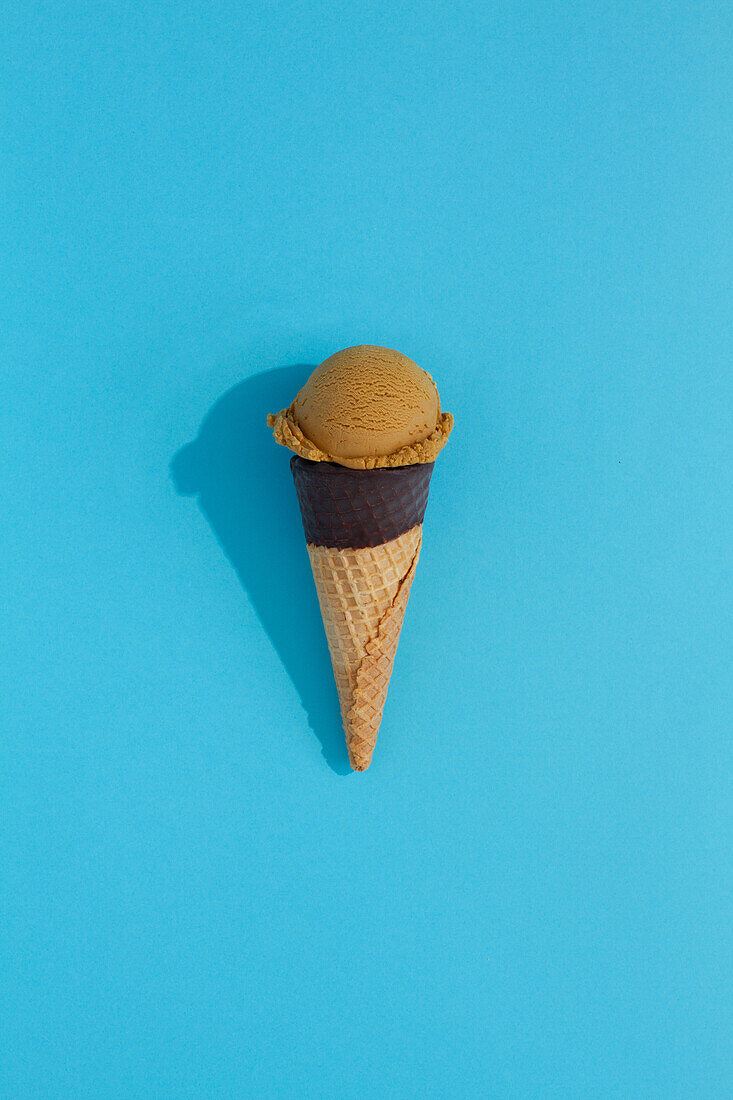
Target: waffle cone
[(363, 594)]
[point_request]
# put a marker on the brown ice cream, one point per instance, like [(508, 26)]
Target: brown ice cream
[(365, 407)]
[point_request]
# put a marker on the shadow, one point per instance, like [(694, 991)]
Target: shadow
[(245, 491)]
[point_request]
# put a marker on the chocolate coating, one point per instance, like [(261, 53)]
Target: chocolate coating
[(344, 508)]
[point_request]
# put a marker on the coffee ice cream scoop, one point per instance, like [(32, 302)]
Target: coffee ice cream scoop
[(365, 407)]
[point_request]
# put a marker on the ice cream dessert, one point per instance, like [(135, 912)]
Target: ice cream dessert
[(365, 430)]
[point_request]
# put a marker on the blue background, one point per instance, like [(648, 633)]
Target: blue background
[(528, 895)]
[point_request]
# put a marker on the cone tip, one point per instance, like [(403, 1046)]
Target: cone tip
[(359, 765)]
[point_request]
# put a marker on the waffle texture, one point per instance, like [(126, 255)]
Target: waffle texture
[(356, 508), (363, 594)]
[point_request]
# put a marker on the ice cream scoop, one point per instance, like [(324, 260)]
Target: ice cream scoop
[(365, 407)]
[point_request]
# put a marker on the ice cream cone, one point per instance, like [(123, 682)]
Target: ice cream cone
[(365, 429), (364, 532)]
